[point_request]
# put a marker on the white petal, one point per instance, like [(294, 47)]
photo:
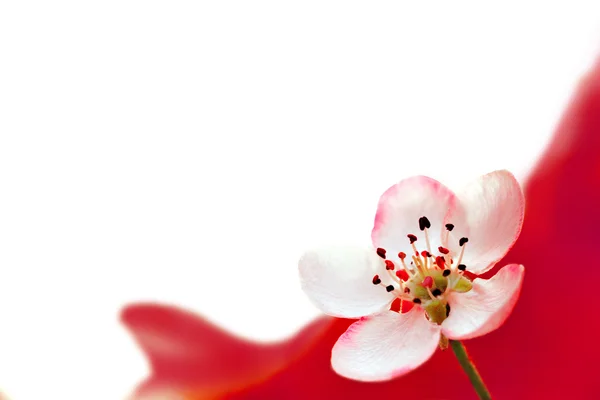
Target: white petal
[(486, 306), (490, 215), (339, 281), (400, 208), (385, 346)]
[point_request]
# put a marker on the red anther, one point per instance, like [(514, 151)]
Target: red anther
[(427, 282), (396, 305), (402, 274), (376, 280), (426, 254), (389, 265), (440, 262), (443, 250), (406, 306), (402, 255), (412, 238), (381, 252)]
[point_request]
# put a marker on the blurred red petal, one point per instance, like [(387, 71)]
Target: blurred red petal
[(190, 355)]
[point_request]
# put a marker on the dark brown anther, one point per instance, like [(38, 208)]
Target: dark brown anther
[(416, 300), (412, 238), (424, 223), (462, 241), (446, 272), (381, 252), (389, 288), (462, 267), (436, 292), (449, 227), (376, 280)]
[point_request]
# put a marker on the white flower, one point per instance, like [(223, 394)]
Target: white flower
[(424, 240)]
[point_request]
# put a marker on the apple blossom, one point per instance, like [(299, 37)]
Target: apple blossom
[(425, 240)]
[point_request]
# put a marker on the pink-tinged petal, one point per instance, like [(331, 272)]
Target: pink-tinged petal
[(385, 346), (490, 214), (486, 306), (339, 281), (400, 208)]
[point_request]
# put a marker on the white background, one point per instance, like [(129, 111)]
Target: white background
[(188, 152)]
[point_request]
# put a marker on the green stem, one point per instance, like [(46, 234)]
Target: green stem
[(467, 365)]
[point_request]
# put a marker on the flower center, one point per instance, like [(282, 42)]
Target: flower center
[(424, 278)]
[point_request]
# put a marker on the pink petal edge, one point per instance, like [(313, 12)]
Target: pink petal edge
[(490, 213), (400, 208), (486, 306), (385, 346), (339, 280)]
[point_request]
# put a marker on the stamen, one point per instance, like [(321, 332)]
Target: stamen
[(413, 239), (402, 274), (418, 264), (389, 265), (376, 280), (392, 288), (412, 271), (424, 223), (394, 278), (462, 243), (441, 262), (406, 290), (446, 272), (402, 256), (416, 261), (381, 252), (436, 292), (449, 228), (416, 300), (462, 267), (425, 254), (447, 309), (445, 254)]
